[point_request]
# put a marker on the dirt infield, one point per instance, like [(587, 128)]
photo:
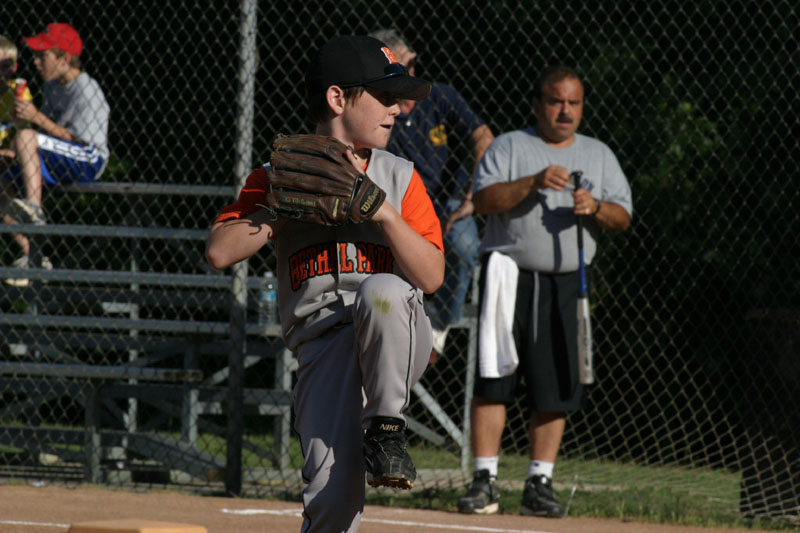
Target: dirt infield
[(26, 509)]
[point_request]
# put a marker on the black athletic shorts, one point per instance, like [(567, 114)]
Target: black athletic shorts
[(545, 334)]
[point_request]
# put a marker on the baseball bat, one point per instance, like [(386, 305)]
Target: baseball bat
[(585, 361)]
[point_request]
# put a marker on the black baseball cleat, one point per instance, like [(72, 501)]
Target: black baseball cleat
[(538, 498), (482, 495), (388, 462)]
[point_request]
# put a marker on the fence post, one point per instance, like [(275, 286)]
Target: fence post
[(244, 149)]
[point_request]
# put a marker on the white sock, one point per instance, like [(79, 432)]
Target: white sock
[(487, 463), (540, 468)]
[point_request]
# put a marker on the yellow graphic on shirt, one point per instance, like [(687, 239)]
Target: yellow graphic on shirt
[(7, 124), (438, 136)]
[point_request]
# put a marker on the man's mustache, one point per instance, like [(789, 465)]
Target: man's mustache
[(565, 119)]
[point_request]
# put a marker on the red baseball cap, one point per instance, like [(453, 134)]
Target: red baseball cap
[(58, 35)]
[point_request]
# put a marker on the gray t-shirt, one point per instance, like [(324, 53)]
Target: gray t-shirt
[(81, 107), (540, 232)]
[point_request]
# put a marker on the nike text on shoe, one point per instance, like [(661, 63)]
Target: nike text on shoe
[(538, 498), (388, 462), (482, 495)]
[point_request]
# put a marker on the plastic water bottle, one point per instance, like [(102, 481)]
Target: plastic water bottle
[(268, 300)]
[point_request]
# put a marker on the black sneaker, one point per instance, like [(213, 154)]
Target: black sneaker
[(25, 212), (388, 462), (482, 495), (538, 499)]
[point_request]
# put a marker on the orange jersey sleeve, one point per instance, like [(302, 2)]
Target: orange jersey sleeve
[(417, 210), (254, 192)]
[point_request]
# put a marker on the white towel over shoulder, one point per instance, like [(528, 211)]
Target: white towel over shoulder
[(497, 353)]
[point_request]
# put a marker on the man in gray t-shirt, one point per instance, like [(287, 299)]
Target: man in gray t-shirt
[(523, 186), (70, 142)]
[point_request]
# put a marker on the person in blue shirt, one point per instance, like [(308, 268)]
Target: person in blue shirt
[(436, 135)]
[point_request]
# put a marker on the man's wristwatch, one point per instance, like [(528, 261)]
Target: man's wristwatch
[(597, 207)]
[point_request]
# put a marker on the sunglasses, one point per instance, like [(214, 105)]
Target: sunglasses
[(392, 70), (6, 69)]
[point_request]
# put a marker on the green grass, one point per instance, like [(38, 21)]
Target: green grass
[(605, 489), (657, 505)]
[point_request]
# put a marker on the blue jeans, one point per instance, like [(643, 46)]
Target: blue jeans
[(446, 306)]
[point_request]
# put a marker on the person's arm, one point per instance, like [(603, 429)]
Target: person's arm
[(242, 228), (421, 261), (480, 139), (613, 212), (413, 247), (501, 197), (25, 110), (611, 216), (237, 239)]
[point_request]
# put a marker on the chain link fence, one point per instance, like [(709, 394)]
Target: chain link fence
[(132, 362)]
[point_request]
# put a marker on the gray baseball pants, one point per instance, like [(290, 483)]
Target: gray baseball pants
[(346, 377)]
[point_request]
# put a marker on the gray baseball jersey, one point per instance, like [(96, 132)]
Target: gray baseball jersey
[(540, 232), (321, 267)]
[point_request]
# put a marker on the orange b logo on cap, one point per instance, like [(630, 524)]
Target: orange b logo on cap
[(389, 54)]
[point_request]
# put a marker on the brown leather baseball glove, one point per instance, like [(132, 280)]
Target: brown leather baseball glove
[(311, 180)]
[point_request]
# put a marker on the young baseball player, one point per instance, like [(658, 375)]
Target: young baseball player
[(350, 296)]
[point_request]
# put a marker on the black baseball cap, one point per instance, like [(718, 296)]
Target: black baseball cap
[(359, 60)]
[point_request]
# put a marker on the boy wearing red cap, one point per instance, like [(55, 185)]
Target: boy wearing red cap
[(350, 296), (70, 142)]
